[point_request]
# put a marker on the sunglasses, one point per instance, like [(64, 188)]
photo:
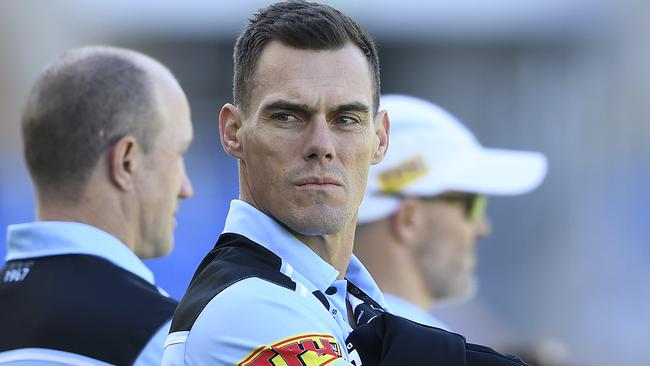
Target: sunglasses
[(473, 204)]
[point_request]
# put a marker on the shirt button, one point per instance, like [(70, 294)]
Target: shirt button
[(330, 290)]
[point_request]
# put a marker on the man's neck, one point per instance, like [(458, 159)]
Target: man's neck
[(86, 214), (392, 266), (416, 296), (335, 249)]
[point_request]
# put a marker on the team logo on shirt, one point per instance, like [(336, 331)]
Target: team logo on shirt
[(17, 271), (303, 350)]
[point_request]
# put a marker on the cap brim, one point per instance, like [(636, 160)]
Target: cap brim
[(502, 172)]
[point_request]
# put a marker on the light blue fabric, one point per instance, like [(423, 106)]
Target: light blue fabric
[(405, 309), (47, 238), (46, 357), (255, 313)]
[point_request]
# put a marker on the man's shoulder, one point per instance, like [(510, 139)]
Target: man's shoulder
[(79, 293), (59, 280), (252, 320), (241, 306), (408, 310), (234, 259)]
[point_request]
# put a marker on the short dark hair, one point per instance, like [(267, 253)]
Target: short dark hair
[(80, 105), (301, 25)]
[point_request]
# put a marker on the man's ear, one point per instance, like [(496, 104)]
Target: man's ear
[(404, 221), (382, 130), (123, 160), (229, 125)]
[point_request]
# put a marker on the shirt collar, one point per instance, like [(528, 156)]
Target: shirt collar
[(359, 275), (246, 220), (47, 238)]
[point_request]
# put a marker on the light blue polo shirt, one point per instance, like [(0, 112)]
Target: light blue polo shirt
[(253, 314)]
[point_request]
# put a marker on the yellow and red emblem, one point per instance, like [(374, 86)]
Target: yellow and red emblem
[(302, 350)]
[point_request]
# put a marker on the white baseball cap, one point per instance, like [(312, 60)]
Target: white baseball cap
[(431, 152)]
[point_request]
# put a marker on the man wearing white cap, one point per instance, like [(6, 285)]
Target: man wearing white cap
[(424, 206)]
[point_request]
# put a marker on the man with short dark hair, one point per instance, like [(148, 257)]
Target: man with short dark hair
[(305, 127), (281, 286), (104, 133)]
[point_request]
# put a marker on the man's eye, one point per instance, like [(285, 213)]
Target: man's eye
[(346, 120), (284, 117)]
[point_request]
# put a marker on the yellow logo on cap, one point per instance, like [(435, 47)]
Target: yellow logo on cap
[(395, 179)]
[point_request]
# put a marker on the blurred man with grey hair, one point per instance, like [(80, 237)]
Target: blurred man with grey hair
[(424, 207), (104, 133)]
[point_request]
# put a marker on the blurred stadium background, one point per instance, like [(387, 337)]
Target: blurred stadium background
[(566, 265)]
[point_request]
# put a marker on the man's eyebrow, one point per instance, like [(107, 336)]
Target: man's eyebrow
[(287, 106), (352, 107)]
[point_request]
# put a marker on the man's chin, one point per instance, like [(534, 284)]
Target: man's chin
[(322, 221), (465, 291), (461, 291), (161, 249)]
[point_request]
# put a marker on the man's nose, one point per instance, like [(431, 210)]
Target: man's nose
[(186, 190), (319, 144)]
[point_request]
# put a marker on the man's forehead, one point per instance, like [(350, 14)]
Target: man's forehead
[(316, 78), (277, 56)]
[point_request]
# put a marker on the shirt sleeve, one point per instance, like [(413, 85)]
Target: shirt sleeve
[(256, 323)]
